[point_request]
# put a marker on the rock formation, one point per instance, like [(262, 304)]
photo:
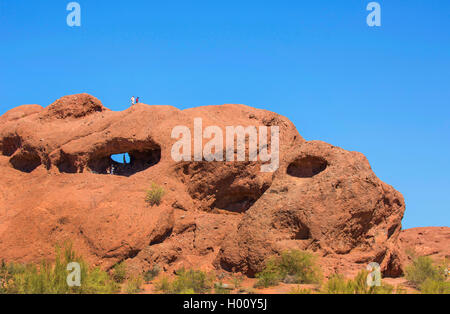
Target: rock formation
[(226, 215), (431, 241)]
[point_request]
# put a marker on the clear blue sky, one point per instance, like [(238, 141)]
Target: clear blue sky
[(381, 91)]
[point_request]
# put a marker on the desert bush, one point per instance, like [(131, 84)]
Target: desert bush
[(337, 284), (301, 266), (300, 290), (152, 273), (186, 282), (51, 278), (163, 285), (291, 267), (422, 269), (430, 286), (134, 284), (120, 272), (155, 195), (270, 276)]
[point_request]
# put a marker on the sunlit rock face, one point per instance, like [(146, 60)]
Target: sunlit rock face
[(60, 183)]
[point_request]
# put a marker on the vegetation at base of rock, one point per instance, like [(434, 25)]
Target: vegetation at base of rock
[(120, 272), (428, 277), (134, 284), (337, 284), (155, 195), (187, 282), (50, 278), (152, 273), (422, 269), (292, 266), (430, 286), (300, 290)]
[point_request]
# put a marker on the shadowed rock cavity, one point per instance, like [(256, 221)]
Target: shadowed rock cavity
[(139, 161), (10, 145), (143, 155), (307, 167), (26, 161)]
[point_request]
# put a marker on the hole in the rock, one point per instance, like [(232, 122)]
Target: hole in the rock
[(289, 222), (237, 203), (122, 157), (10, 145), (307, 167), (303, 233), (125, 164), (66, 164), (26, 161)]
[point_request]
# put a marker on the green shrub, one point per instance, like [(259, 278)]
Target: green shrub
[(337, 284), (155, 195), (430, 286), (51, 278), (99, 282), (422, 269), (270, 276), (163, 285), (291, 267), (134, 285), (301, 266), (120, 272), (187, 282), (300, 290), (151, 274)]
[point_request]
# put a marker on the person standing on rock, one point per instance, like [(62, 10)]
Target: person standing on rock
[(137, 100), (132, 100)]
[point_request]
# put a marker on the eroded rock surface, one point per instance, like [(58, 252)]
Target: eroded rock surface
[(54, 163), (430, 241)]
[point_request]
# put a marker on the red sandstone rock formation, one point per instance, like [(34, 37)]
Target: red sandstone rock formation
[(432, 241), (230, 215)]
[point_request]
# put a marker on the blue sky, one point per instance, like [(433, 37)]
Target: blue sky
[(381, 91)]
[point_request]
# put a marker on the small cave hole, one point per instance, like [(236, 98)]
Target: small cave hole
[(66, 164), (236, 204), (307, 167), (11, 145), (125, 164), (26, 161)]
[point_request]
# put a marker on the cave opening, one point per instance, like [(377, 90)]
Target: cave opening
[(26, 161), (307, 167), (125, 163)]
